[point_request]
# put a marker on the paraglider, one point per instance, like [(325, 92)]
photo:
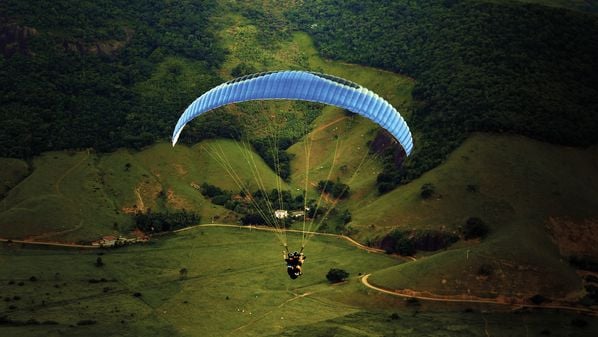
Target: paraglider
[(305, 86)]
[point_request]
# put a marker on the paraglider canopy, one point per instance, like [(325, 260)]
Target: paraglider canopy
[(302, 85)]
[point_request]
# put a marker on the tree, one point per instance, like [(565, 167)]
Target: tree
[(475, 228), (336, 275)]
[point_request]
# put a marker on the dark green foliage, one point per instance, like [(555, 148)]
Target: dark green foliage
[(220, 199), (335, 275), (407, 243), (99, 262), (346, 216), (475, 228), (336, 189), (210, 191), (537, 299), (590, 278), (579, 322), (400, 242), (413, 302), (216, 124), (584, 262), (253, 219), (485, 270), (472, 188), (432, 240), (479, 66), (70, 88), (274, 154), (163, 222), (243, 69), (427, 191)]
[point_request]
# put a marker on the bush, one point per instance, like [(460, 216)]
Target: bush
[(220, 199), (336, 275), (537, 299), (426, 191), (87, 322), (475, 228), (485, 270), (579, 323)]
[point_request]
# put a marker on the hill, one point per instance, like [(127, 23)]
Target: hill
[(520, 188), (81, 196)]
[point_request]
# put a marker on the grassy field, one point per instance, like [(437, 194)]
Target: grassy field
[(235, 285), (78, 196)]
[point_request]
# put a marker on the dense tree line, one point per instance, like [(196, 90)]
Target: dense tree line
[(102, 74), (335, 189), (163, 222), (498, 67)]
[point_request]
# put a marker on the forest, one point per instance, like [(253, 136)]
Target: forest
[(100, 75), (118, 75), (506, 68)]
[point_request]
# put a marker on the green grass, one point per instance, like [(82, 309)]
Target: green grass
[(236, 285), (81, 196), (522, 183), (13, 171)]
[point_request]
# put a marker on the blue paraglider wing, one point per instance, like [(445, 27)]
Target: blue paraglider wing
[(305, 86)]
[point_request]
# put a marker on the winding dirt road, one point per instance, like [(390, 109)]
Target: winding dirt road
[(438, 298)]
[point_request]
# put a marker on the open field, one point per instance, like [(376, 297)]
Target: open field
[(235, 285)]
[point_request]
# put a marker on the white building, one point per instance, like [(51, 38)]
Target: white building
[(281, 214)]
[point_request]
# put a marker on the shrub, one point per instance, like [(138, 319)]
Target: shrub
[(579, 323), (485, 270), (475, 228), (220, 199), (537, 299), (99, 262), (86, 322), (336, 275), (426, 191)]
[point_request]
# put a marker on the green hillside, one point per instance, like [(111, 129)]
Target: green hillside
[(517, 186), (80, 196), (13, 171), (234, 284)]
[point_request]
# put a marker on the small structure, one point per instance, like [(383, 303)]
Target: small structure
[(297, 214), (281, 214)]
